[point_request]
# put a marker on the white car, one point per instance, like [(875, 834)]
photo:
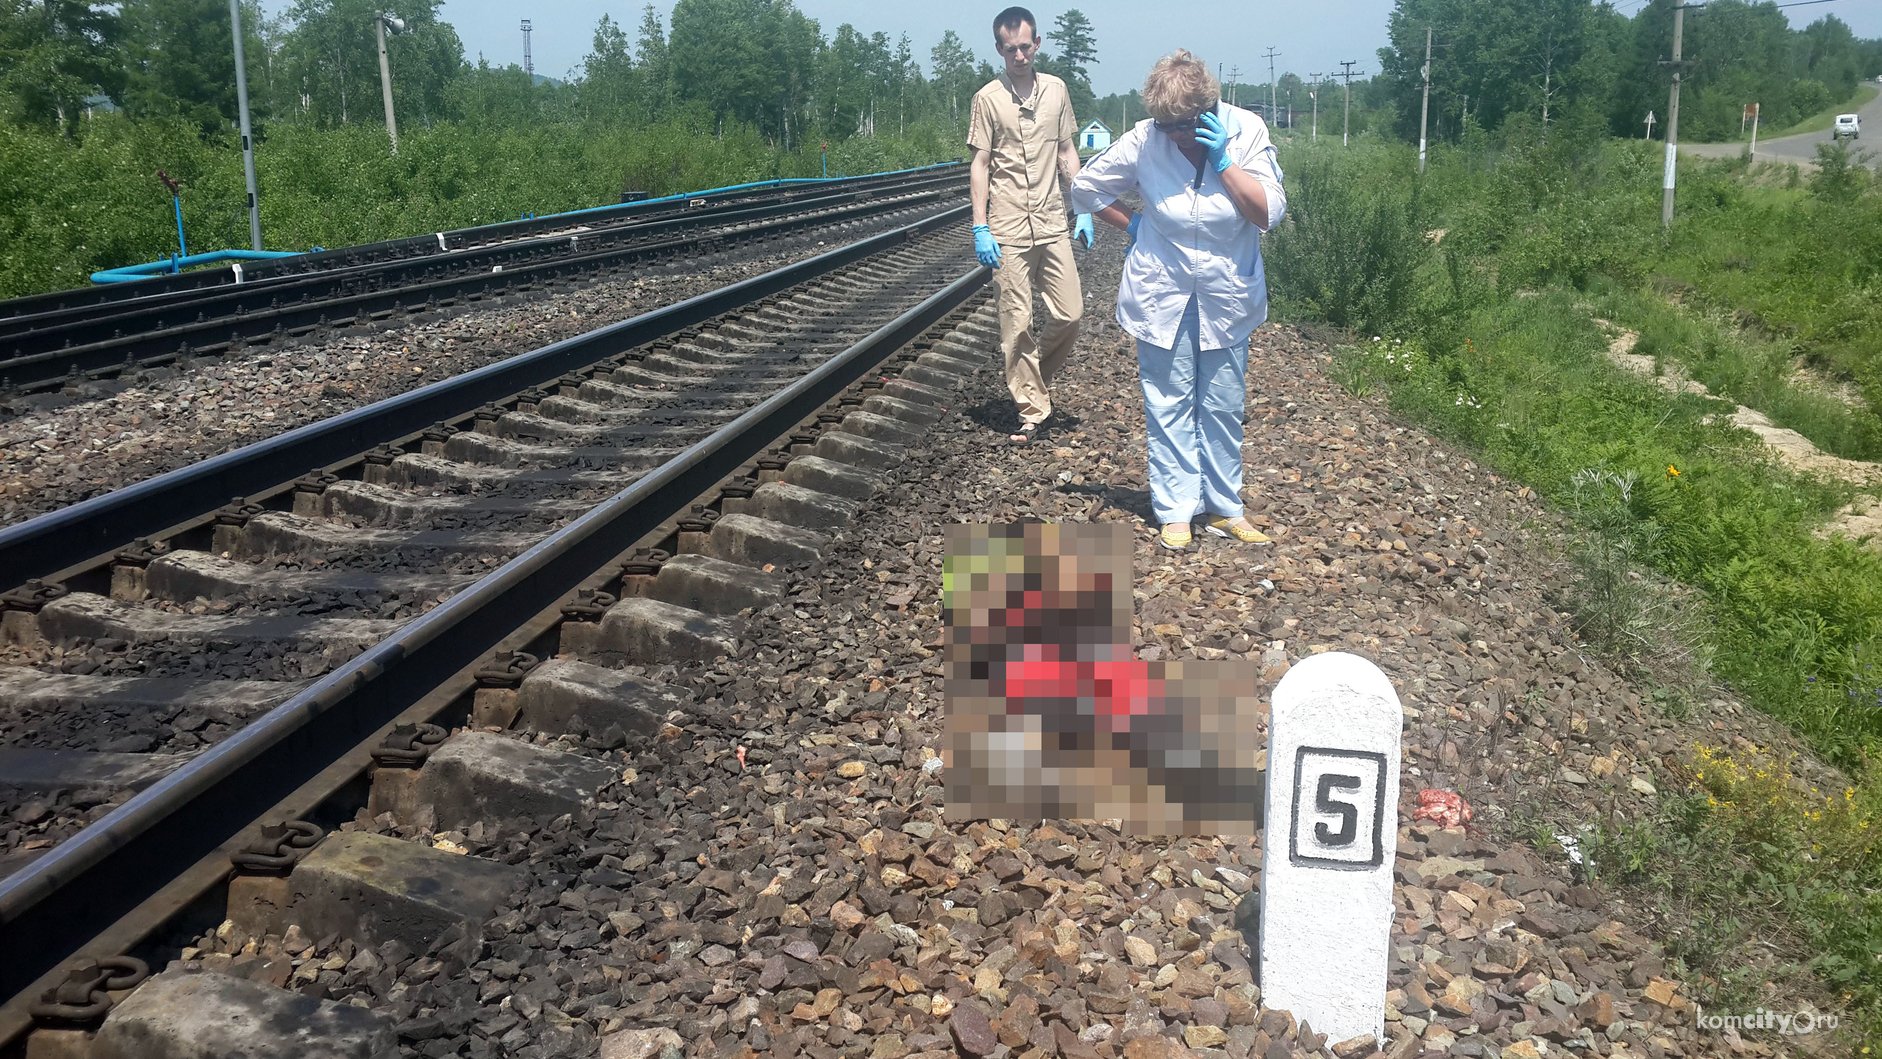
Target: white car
[(1846, 125)]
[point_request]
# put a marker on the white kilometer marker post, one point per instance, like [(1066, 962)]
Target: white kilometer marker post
[(1331, 836)]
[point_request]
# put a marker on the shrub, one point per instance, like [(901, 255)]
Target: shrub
[(1841, 174), (1560, 210), (1617, 608), (1819, 851), (1345, 254)]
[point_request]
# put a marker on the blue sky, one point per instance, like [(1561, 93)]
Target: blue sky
[(1131, 33)]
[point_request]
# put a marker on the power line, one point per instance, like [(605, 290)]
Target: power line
[(1672, 122), (1346, 129), (1271, 100), (1424, 109), (1315, 96), (1632, 6)]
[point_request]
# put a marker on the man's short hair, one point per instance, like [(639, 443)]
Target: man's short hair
[(1012, 18)]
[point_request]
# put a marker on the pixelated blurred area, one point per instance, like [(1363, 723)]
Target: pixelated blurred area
[(1051, 716)]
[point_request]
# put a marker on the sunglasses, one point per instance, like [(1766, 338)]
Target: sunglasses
[(1178, 126)]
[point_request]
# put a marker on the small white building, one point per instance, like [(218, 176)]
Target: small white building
[(1094, 137)]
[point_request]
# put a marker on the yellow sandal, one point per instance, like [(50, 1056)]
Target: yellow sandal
[(1246, 533)]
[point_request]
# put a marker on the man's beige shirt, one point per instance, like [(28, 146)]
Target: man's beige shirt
[(1022, 136)]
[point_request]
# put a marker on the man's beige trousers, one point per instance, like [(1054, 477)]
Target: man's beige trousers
[(1034, 357)]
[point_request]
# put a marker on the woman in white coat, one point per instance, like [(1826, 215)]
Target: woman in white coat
[(1193, 288)]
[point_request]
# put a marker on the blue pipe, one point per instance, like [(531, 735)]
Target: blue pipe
[(177, 264), (182, 248)]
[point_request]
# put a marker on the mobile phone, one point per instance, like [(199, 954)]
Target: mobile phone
[(1203, 165)]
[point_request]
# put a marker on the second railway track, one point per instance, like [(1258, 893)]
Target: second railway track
[(371, 566), (54, 340)]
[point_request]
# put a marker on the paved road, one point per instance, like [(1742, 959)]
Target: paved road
[(1802, 147)]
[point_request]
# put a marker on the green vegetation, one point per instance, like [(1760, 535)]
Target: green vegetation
[(1350, 254), (73, 206), (1489, 335), (1820, 850), (1752, 854), (1800, 265)]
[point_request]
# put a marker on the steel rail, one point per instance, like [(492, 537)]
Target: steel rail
[(59, 542), (51, 908), (38, 331), (302, 303), (427, 244)]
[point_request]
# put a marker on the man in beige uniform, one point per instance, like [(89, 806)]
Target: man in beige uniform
[(1024, 139)]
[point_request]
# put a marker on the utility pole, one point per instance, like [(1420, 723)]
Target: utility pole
[(1235, 80), (248, 141), (1672, 119), (385, 72), (1314, 94), (1346, 130), (1424, 109), (1271, 100), (529, 64)]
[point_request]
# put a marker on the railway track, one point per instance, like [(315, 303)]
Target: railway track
[(53, 340), (620, 497)]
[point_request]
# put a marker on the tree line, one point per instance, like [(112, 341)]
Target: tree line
[(761, 63), (1601, 69), (97, 95)]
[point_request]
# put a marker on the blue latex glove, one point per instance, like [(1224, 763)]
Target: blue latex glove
[(985, 248), (1082, 229), (1213, 133), (1137, 219)]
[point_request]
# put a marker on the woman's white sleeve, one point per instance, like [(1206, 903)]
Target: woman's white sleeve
[(1106, 177), (1265, 167), (1254, 152)]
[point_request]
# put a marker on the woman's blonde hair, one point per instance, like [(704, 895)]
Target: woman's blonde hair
[(1179, 87)]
